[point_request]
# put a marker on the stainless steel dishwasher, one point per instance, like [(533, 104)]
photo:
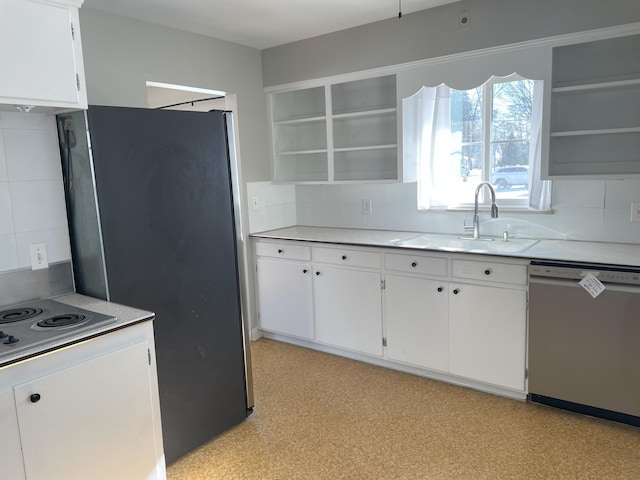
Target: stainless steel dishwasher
[(584, 352)]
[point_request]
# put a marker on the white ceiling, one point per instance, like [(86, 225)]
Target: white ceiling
[(262, 23)]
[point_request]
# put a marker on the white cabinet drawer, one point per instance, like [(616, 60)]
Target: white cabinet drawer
[(416, 264), (283, 250), (489, 271), (345, 256)]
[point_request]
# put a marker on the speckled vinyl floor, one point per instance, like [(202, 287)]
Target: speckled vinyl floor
[(319, 416)]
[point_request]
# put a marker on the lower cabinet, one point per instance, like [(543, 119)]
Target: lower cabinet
[(461, 315), (348, 308), (285, 297), (417, 321), (487, 334), (95, 418)]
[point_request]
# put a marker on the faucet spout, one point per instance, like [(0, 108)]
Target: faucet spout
[(476, 215)]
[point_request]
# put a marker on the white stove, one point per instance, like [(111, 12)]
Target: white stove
[(44, 323)]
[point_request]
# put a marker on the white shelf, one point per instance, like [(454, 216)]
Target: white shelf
[(368, 147), (366, 113), (603, 131), (597, 86), (336, 133)]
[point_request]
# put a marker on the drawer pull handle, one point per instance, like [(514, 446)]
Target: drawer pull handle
[(280, 250), (35, 397), (304, 271), (456, 291), (344, 257), (487, 271), (440, 289), (317, 273), (414, 264)]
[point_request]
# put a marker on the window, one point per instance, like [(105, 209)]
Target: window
[(489, 133)]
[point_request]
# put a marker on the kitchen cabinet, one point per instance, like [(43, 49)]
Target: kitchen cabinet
[(285, 295), (87, 411), (41, 54), (348, 298), (11, 451), (595, 122), (336, 132), (348, 308), (487, 322), (456, 317), (417, 310)]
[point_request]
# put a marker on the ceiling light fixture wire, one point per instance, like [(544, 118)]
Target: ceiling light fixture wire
[(399, 8)]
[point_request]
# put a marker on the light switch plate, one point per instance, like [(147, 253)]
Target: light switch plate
[(366, 207), (39, 258)]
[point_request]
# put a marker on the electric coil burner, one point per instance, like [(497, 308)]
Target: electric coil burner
[(46, 324)]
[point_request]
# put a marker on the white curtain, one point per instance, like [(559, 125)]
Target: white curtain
[(427, 135), (539, 190)]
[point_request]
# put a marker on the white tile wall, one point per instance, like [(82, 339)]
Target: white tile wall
[(276, 206), (596, 210), (32, 207)]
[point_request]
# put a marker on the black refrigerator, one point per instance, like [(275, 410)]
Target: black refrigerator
[(152, 225)]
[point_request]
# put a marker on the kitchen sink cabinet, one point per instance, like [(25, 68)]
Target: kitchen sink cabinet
[(348, 308), (487, 334), (41, 54), (285, 297), (87, 411), (455, 317), (417, 321)]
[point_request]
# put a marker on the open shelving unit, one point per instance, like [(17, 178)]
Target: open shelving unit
[(595, 109), (341, 132)]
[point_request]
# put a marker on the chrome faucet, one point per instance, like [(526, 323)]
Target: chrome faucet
[(476, 215)]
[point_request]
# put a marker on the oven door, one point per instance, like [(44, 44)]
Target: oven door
[(584, 352)]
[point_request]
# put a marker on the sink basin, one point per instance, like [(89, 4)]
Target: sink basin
[(450, 243)]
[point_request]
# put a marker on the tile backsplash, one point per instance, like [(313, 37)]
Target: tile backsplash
[(591, 210), (32, 205), (270, 206)]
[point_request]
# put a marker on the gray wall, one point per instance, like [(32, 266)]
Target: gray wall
[(121, 54), (433, 33)]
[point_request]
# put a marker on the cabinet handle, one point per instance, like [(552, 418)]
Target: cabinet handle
[(440, 289), (456, 291), (304, 271), (487, 271), (344, 257), (317, 273), (414, 264), (35, 397), (280, 250)]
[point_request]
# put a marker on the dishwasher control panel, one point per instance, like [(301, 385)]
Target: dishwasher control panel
[(606, 274)]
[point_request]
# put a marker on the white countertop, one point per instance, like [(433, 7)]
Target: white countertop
[(621, 254), (124, 315)]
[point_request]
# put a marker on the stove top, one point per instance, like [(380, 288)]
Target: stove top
[(41, 323)]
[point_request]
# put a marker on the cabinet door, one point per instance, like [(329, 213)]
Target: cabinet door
[(11, 452), (93, 420), (348, 309), (285, 298), (417, 321), (38, 52), (487, 328)]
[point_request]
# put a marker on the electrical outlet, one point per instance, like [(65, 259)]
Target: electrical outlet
[(39, 256), (366, 207), (255, 203), (635, 212)]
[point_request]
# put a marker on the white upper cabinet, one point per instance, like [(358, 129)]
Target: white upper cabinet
[(595, 119), (336, 132), (41, 54)]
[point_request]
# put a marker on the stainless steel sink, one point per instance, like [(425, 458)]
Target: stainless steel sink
[(451, 243)]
